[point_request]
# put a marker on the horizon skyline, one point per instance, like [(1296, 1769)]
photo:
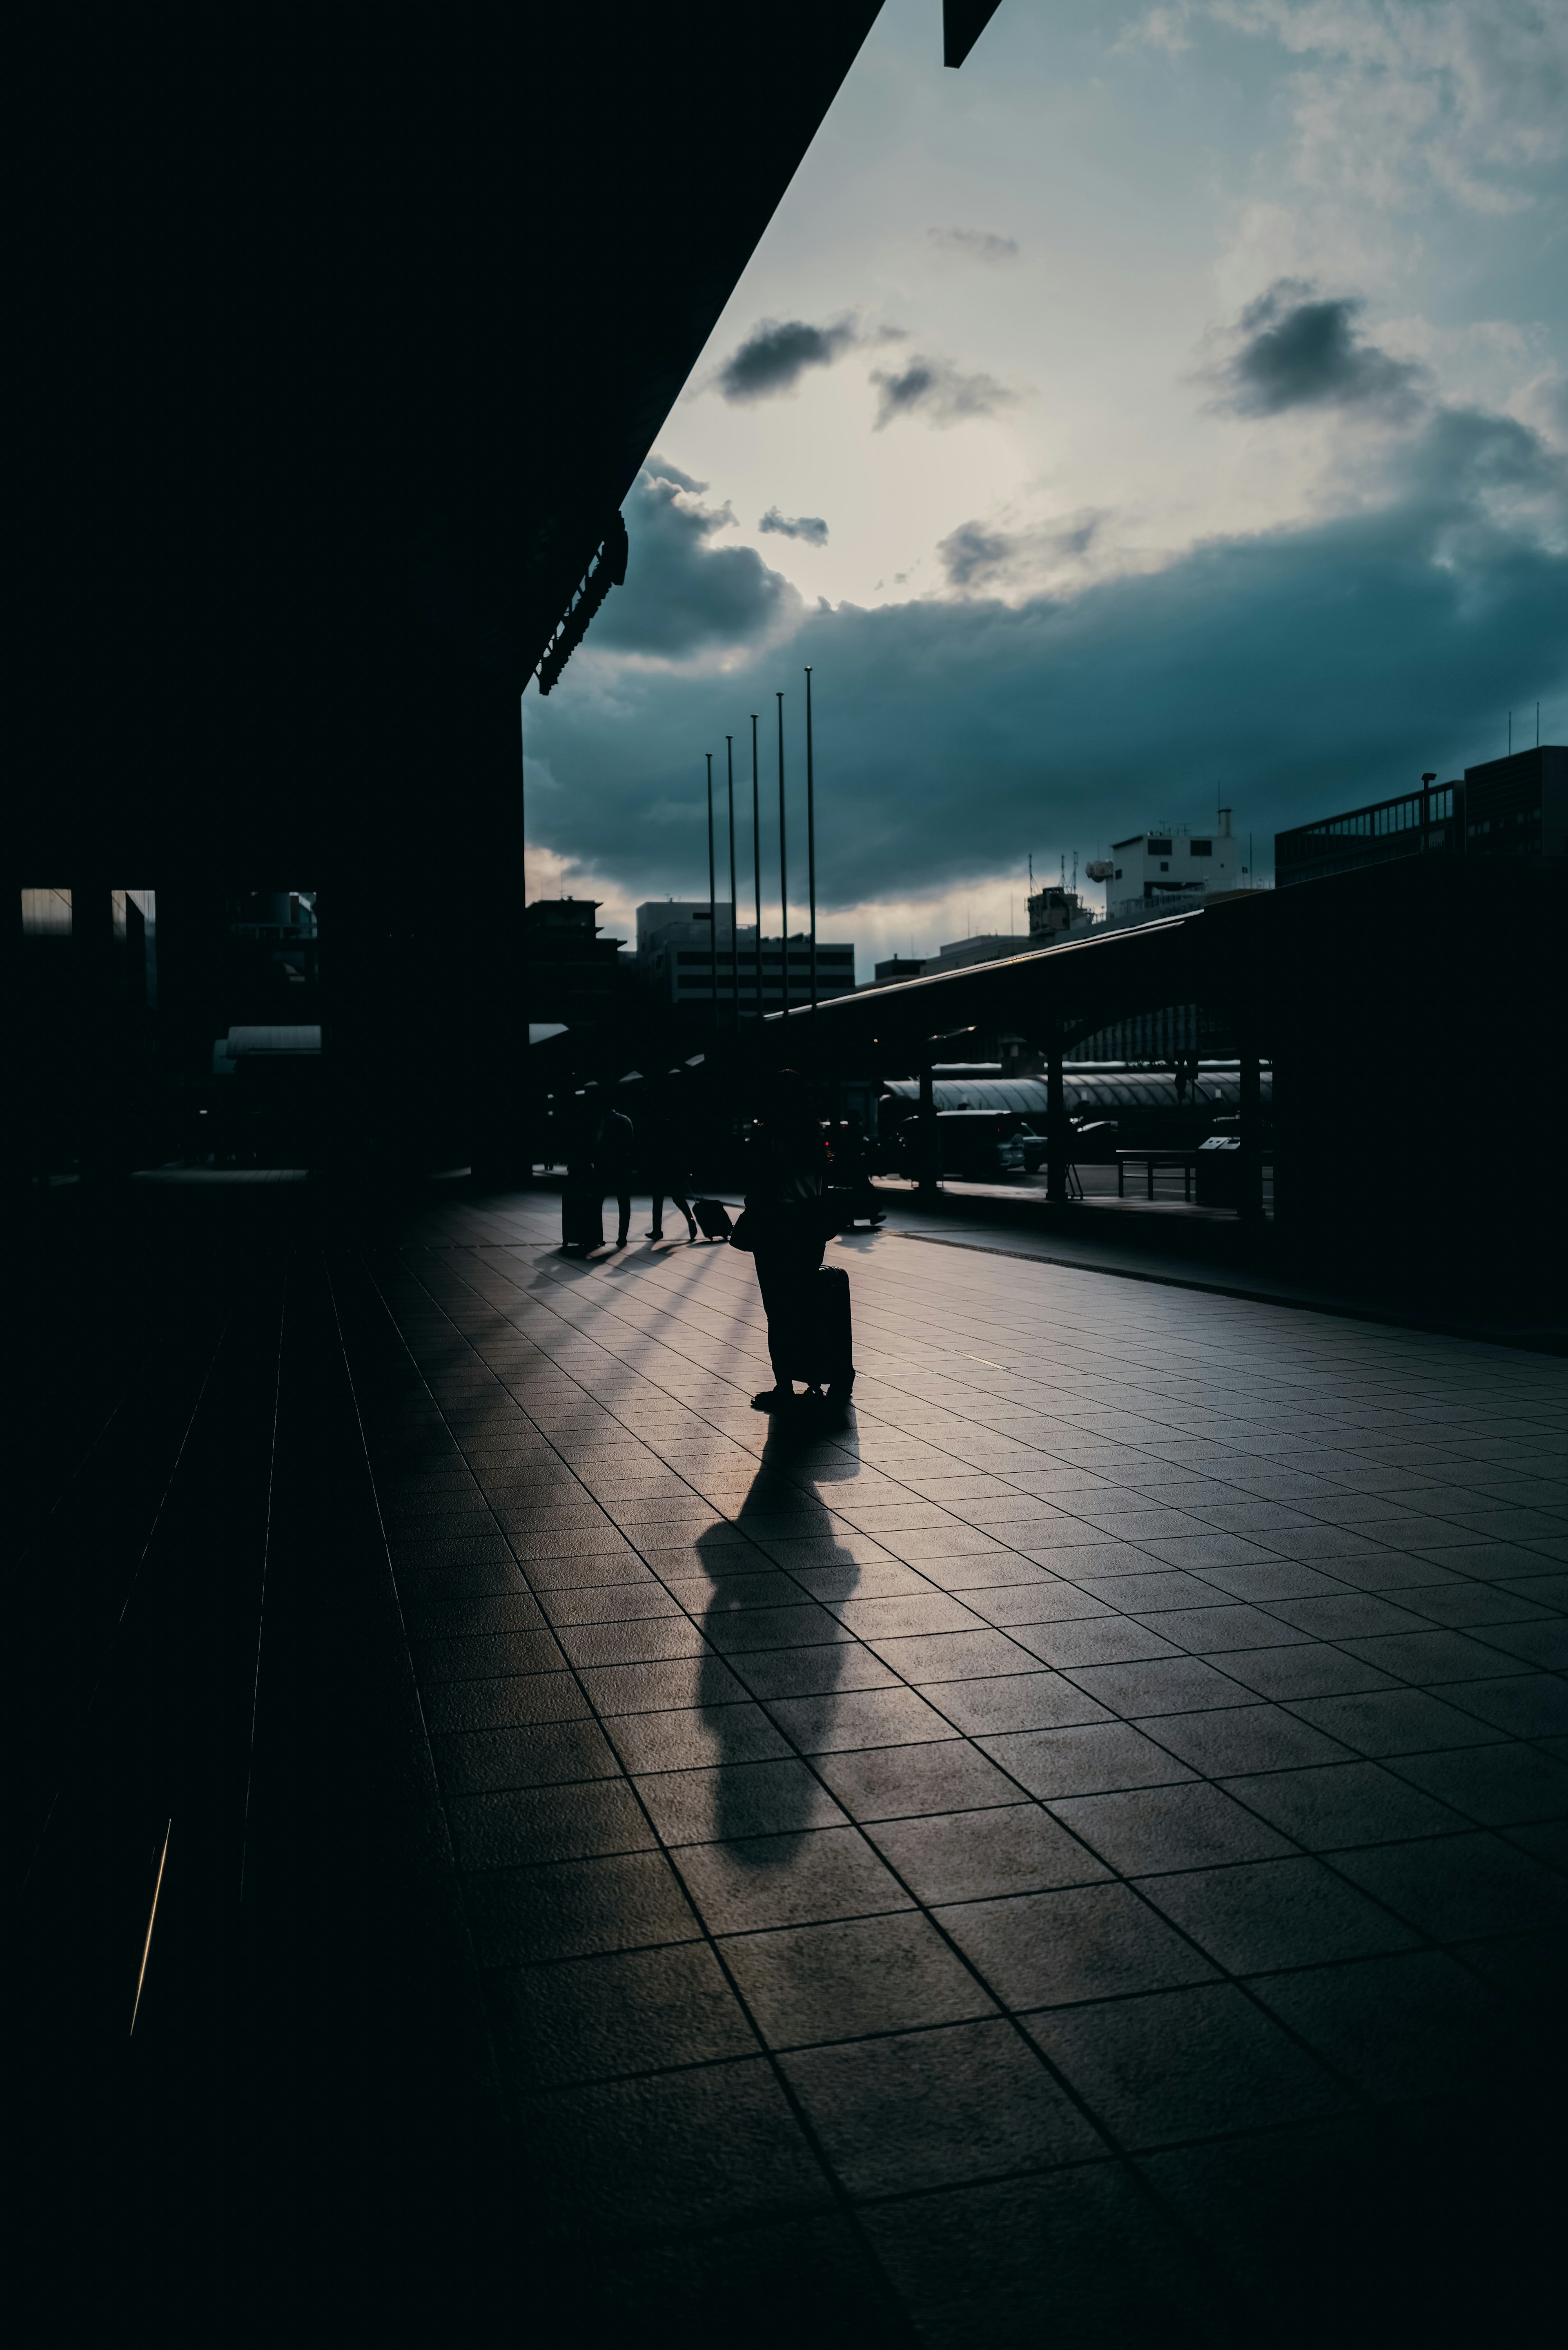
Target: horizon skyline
[(1173, 405)]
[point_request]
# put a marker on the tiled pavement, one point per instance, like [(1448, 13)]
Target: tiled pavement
[(1080, 1848), (1138, 1742)]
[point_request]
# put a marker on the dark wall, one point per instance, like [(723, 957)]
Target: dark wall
[(1416, 1020), (338, 335)]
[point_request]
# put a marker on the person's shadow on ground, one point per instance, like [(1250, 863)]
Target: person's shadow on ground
[(768, 1800)]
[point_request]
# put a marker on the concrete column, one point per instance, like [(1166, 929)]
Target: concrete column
[(98, 1075), (1057, 1136), (927, 1153), (1250, 1175)]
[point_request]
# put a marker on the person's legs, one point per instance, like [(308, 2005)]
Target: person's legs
[(681, 1204), (623, 1201), (780, 1273)]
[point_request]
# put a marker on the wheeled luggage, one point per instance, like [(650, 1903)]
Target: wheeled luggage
[(818, 1339), (714, 1219), (582, 1218)]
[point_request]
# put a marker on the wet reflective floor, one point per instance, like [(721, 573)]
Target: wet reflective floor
[(1074, 1849)]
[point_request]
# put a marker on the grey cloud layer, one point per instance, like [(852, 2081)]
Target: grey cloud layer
[(978, 556), (1301, 350), (975, 244), (1301, 670), (938, 391), (682, 595), (777, 353), (809, 528)]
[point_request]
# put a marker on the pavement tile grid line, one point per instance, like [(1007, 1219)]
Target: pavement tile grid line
[(572, 1351)]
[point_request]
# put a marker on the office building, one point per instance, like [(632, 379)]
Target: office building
[(1169, 869), (1517, 807), (572, 971), (1056, 912), (680, 940)]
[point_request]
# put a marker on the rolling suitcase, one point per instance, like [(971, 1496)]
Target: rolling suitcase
[(714, 1219), (582, 1218), (820, 1341)]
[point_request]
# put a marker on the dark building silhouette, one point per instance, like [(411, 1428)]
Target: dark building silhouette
[(1425, 822), (343, 350), (573, 973), (1516, 806)]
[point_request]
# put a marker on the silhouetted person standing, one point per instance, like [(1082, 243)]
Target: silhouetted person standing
[(786, 1217), (582, 1220), (612, 1165)]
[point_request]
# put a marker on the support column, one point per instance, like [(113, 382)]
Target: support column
[(927, 1153), (99, 1142), (1055, 1119), (1249, 1174)]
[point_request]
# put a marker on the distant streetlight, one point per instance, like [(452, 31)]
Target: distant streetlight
[(811, 835), (713, 897)]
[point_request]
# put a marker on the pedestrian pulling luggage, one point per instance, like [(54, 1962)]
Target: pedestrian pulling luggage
[(785, 1227), (665, 1160)]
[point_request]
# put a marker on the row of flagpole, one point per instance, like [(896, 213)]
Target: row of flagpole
[(757, 867)]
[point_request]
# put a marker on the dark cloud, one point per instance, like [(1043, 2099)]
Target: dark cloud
[(777, 353), (975, 244), (1301, 350), (1301, 670), (683, 595), (976, 555), (938, 391), (811, 528)]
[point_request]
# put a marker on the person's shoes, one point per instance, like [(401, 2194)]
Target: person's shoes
[(691, 1227), (621, 1239), (657, 1235), (774, 1400)]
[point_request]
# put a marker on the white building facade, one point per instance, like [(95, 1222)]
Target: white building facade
[(1169, 869)]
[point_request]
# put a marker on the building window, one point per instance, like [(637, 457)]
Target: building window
[(1202, 848), (46, 913), (1165, 867), (1159, 848)]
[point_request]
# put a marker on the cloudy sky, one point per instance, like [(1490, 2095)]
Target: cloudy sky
[(1169, 408)]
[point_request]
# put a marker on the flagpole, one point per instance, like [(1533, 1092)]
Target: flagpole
[(735, 901), (811, 836), (757, 861), (784, 864), (713, 897)]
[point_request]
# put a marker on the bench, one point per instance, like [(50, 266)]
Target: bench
[(1152, 1161)]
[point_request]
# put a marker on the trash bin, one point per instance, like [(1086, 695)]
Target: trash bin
[(1218, 1170)]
